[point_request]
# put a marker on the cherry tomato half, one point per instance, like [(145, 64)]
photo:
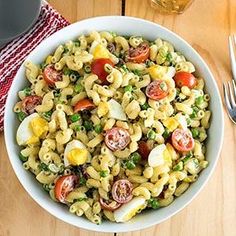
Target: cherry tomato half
[(143, 149), (84, 104), (157, 90), (122, 191), (109, 205), (182, 140), (97, 68), (117, 138), (64, 186), (51, 75), (139, 54), (183, 78), (30, 102)]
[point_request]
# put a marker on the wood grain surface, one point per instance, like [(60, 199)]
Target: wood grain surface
[(206, 26)]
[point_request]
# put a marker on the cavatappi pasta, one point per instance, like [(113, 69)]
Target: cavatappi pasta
[(111, 125)]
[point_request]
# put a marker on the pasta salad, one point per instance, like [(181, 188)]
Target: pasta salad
[(111, 125)]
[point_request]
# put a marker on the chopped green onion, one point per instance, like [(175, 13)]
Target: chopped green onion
[(124, 68), (77, 128), (128, 88), (145, 106), (81, 199), (78, 88), (75, 117), (77, 43), (113, 34), (166, 134), (27, 91), (135, 157), (130, 165), (57, 93), (21, 116), (153, 203), (104, 173), (195, 132), (88, 125), (178, 166), (193, 115), (98, 128), (199, 100), (43, 65), (82, 181), (43, 166), (169, 57), (188, 121), (47, 115), (67, 71), (66, 50), (46, 187), (151, 134), (187, 157), (23, 158)]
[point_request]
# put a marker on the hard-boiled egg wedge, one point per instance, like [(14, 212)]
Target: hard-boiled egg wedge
[(130, 209), (156, 156), (31, 129), (116, 110), (98, 50), (171, 123), (75, 153)]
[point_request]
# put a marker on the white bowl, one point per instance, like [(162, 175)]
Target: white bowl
[(123, 26)]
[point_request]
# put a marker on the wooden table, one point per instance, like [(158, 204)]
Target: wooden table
[(206, 26)]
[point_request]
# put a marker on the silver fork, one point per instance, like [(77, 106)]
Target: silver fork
[(230, 88)]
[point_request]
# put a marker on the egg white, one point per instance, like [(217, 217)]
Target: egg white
[(70, 146), (24, 132), (132, 207), (156, 156)]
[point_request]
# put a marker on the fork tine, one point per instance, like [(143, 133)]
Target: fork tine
[(231, 95), (232, 55), (234, 88), (228, 105)]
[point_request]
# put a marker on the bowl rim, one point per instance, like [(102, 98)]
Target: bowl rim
[(146, 225)]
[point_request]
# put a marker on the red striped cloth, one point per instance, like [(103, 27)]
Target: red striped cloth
[(13, 54)]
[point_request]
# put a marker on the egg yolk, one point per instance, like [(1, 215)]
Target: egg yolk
[(133, 212), (171, 123), (39, 126), (32, 140), (157, 71), (167, 157), (100, 52), (77, 156)]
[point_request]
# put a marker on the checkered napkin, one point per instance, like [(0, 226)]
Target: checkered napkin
[(13, 54)]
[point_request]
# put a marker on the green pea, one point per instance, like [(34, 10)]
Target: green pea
[(130, 165), (166, 134), (104, 173), (135, 157), (145, 106), (27, 91), (195, 132), (23, 158), (88, 125), (98, 128), (75, 117), (128, 88), (199, 100), (151, 134), (43, 166), (137, 72), (21, 116), (153, 203), (78, 88)]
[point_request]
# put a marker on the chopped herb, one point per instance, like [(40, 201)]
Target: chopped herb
[(113, 34), (169, 57), (81, 199), (187, 157), (78, 88), (77, 128), (178, 166), (82, 180), (145, 106), (75, 117), (21, 116), (23, 158), (128, 88), (188, 121), (124, 68), (67, 71), (153, 203), (43, 166), (104, 173), (193, 115), (46, 187), (199, 100), (47, 115), (27, 91), (88, 125), (66, 50), (137, 72), (77, 43), (98, 128), (57, 93)]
